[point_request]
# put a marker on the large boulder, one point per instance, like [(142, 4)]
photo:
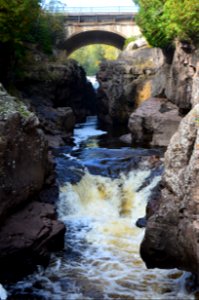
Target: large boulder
[(171, 237), (127, 82), (154, 122)]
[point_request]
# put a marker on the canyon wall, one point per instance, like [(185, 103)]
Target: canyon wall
[(171, 238), (167, 115), (28, 228), (149, 89)]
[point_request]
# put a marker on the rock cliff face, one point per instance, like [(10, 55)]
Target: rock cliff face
[(140, 74), (26, 230), (172, 233), (23, 153), (171, 237), (128, 81), (183, 79), (59, 94)]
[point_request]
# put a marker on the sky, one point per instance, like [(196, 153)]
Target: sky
[(91, 3)]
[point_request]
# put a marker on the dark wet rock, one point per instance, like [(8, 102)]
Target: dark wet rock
[(171, 237), (28, 232), (23, 154), (57, 123), (154, 122), (108, 162), (60, 95), (141, 222), (26, 239)]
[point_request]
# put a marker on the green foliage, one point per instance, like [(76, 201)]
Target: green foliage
[(129, 40), (46, 31), (91, 56), (162, 21), (23, 23), (16, 19)]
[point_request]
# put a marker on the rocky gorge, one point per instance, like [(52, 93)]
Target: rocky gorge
[(147, 90), (159, 98)]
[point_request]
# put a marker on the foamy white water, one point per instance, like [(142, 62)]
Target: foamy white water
[(3, 293), (104, 212), (94, 81)]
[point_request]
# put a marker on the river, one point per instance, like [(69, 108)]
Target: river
[(104, 187)]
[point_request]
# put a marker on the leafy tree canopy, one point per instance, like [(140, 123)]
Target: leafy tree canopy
[(162, 21), (23, 21), (16, 19)]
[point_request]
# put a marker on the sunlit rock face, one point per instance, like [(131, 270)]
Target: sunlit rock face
[(127, 82), (171, 238), (182, 86)]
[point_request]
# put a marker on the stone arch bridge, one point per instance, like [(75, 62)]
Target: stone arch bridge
[(104, 25)]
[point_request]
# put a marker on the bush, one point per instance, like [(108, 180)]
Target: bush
[(129, 40)]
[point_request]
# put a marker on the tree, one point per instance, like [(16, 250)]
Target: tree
[(23, 23), (182, 19), (162, 21), (55, 6), (16, 19)]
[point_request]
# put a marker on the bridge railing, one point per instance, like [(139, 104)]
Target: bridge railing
[(94, 10)]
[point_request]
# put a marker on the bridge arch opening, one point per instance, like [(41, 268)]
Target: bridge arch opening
[(86, 38), (91, 56)]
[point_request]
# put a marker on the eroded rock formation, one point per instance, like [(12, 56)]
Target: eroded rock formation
[(23, 153), (171, 238), (128, 81), (27, 230), (60, 95), (183, 78)]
